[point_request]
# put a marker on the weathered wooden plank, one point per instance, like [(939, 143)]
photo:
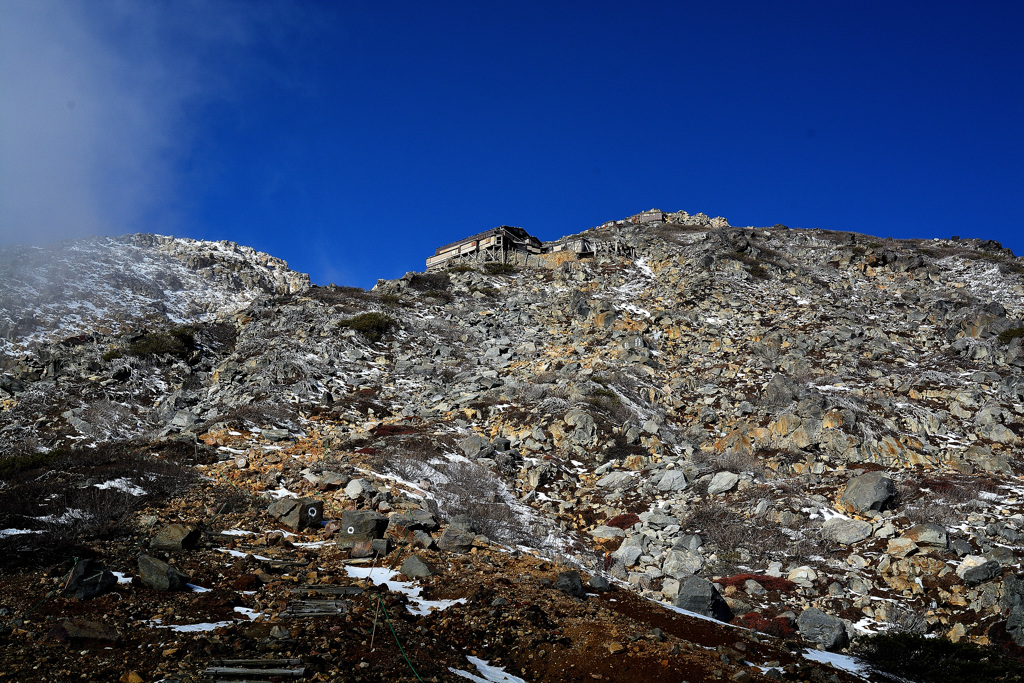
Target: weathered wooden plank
[(255, 662), (328, 590), (239, 671)]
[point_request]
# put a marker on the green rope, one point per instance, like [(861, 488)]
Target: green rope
[(380, 602)]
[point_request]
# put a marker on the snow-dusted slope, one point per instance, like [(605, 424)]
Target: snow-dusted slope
[(105, 283)]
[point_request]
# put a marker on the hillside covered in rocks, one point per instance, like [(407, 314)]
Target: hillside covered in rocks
[(735, 453)]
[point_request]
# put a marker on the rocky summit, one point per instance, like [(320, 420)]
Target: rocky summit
[(683, 451)]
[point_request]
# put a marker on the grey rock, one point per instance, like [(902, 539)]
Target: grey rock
[(823, 629), (682, 563), (628, 554), (978, 571), (688, 542), (599, 583), (722, 482), (845, 531), (1013, 602), (960, 547), (360, 526), (297, 513), (871, 491), (332, 480), (615, 480), (175, 537), (274, 434), (421, 539), (672, 480), (928, 534), (159, 575), (607, 532), (1002, 555), (416, 568), (476, 446), (357, 488), (456, 540), (699, 596), (570, 583), (781, 391), (463, 523)]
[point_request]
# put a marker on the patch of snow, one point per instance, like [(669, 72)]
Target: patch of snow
[(122, 578), (197, 589), (383, 575), (250, 613), (490, 674), (122, 484), (846, 663), (239, 553), (192, 628), (14, 532), (282, 492), (69, 516), (238, 532)]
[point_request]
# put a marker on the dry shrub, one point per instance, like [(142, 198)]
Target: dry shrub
[(65, 509), (624, 521), (475, 491), (937, 498), (731, 534), (771, 583), (254, 416), (779, 627)]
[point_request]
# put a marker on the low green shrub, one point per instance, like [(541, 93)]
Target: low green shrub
[(440, 294), (494, 268), (178, 342), (430, 281), (372, 325), (23, 462), (461, 268), (1007, 336)]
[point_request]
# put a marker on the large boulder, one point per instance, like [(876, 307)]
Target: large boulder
[(476, 446), (456, 540), (699, 596), (175, 537), (360, 526), (88, 579), (682, 563), (584, 424), (297, 513), (976, 569), (781, 391), (569, 582), (722, 482), (823, 629), (672, 480), (928, 534), (871, 491), (159, 575), (415, 567), (1013, 601), (845, 531)]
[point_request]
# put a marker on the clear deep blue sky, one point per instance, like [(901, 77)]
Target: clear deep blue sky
[(351, 138)]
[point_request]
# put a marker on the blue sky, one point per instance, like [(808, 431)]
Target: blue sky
[(351, 138)]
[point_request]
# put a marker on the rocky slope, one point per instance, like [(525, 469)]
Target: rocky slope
[(107, 283), (812, 435)]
